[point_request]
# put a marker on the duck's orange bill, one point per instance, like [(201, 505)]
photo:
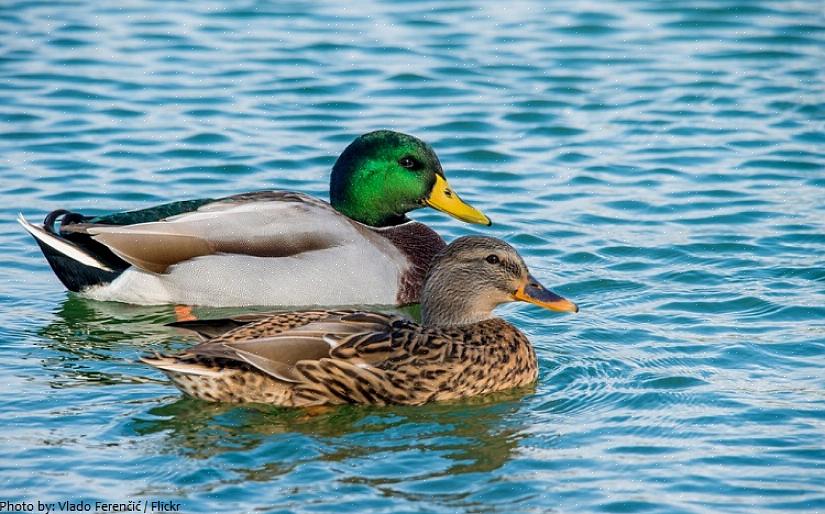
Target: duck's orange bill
[(533, 292)]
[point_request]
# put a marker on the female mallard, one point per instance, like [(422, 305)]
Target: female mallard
[(333, 357), (270, 247)]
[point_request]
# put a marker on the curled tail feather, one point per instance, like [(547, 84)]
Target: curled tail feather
[(69, 218)]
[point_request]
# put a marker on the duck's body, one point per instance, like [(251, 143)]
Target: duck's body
[(265, 248), (313, 358), (269, 247), (333, 357)]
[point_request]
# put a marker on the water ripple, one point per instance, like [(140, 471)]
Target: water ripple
[(660, 163)]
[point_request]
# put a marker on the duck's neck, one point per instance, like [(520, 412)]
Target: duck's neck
[(446, 307), (355, 209), (431, 319)]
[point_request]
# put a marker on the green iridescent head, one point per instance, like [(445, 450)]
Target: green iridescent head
[(383, 175)]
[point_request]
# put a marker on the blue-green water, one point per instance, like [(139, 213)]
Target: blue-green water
[(660, 163)]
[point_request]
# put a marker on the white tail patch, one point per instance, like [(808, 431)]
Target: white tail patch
[(61, 245)]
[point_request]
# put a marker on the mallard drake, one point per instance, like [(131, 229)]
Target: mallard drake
[(269, 247), (321, 357)]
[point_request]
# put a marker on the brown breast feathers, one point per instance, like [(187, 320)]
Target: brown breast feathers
[(419, 243)]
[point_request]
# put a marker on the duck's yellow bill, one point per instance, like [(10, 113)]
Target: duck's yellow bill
[(533, 292), (443, 198)]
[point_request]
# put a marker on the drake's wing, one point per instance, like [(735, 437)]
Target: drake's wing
[(267, 224)]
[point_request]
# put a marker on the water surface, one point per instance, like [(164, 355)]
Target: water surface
[(659, 163)]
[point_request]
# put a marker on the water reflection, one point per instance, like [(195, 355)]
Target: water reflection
[(81, 324), (475, 435)]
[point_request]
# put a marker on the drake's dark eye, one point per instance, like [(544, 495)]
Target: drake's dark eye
[(492, 259), (407, 162)]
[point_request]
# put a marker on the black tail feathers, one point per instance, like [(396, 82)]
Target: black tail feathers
[(74, 275), (78, 260)]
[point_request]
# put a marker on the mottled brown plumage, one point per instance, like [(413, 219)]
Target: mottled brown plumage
[(333, 357)]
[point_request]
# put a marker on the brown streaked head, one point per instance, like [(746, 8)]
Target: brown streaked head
[(473, 275)]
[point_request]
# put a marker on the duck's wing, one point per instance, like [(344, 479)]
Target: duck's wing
[(263, 224), (277, 344), (211, 328)]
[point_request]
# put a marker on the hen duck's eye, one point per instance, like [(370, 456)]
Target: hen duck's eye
[(492, 259), (407, 162)]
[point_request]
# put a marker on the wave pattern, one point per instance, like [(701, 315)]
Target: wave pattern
[(661, 163)]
